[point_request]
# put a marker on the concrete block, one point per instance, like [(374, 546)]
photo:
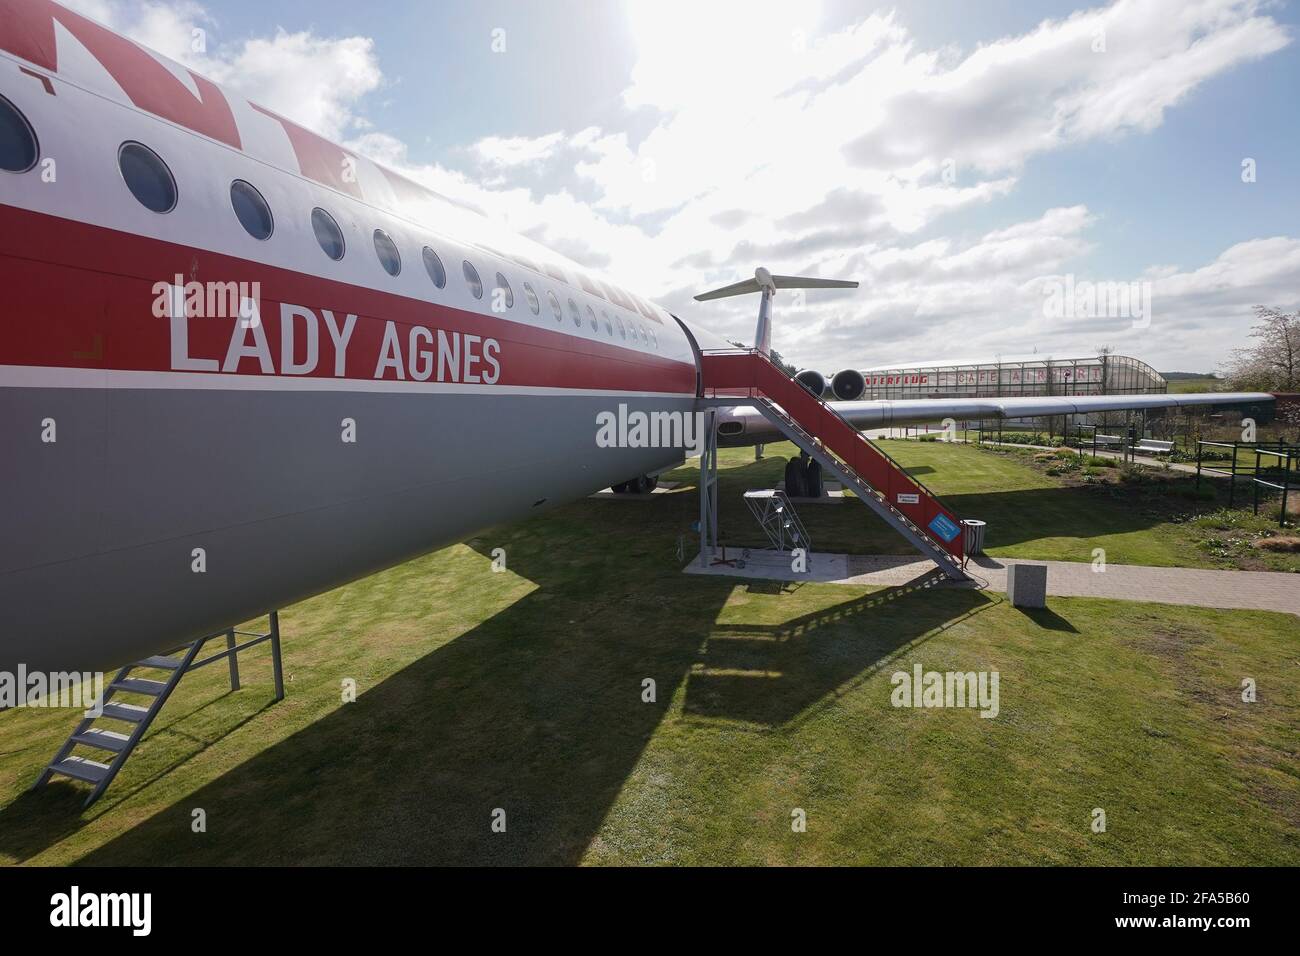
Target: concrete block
[(1027, 585)]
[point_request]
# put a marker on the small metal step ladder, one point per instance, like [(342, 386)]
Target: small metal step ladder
[(138, 717), (776, 516)]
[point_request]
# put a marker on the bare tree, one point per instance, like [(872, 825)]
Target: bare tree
[(1272, 364)]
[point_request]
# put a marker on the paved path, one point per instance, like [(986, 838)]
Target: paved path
[(1193, 587)]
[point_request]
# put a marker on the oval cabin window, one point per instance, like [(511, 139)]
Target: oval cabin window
[(328, 234), (387, 252), (18, 147), (251, 210), (147, 176)]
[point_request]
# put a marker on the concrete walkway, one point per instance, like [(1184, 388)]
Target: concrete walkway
[(1192, 587)]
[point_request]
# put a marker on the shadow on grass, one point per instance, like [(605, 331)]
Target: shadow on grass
[(38, 819), (1017, 517), (771, 675), (1045, 617), (536, 710)]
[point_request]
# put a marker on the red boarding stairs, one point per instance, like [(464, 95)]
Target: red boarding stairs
[(879, 482)]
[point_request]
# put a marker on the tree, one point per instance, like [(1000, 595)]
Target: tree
[(1272, 364)]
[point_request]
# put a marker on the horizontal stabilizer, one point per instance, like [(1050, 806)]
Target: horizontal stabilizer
[(757, 284)]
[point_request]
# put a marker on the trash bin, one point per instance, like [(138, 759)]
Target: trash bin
[(974, 535)]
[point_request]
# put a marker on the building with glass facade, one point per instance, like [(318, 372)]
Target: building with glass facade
[(1012, 376)]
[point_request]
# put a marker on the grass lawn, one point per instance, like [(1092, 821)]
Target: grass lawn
[(1030, 514), (523, 690), (1207, 384)]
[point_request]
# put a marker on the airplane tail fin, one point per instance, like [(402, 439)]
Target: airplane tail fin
[(767, 284)]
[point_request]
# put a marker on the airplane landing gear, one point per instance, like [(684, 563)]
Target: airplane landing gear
[(803, 478), (640, 485)]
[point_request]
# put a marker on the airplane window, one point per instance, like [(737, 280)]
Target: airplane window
[(328, 233), (472, 280), (573, 311), (654, 339), (591, 317), (251, 210), (618, 320), (433, 266), (387, 252), (532, 299), (147, 176), (18, 149), (555, 306), (609, 328), (504, 286)]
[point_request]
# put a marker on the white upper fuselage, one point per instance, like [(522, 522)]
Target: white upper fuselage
[(83, 95)]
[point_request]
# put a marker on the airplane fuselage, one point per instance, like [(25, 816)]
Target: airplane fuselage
[(200, 425)]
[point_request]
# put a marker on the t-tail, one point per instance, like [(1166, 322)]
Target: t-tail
[(767, 284)]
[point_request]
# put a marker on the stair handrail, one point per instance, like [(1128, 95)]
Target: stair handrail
[(829, 406)]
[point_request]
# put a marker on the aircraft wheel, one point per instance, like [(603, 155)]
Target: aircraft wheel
[(620, 488), (652, 482), (638, 486), (794, 478), (813, 479)]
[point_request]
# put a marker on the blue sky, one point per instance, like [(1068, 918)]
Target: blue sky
[(1116, 165)]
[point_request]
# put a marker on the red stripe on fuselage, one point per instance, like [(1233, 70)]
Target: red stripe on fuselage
[(69, 285)]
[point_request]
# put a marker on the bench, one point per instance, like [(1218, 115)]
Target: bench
[(1154, 447), (1109, 439)]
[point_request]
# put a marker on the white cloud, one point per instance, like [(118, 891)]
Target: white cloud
[(315, 81), (517, 150)]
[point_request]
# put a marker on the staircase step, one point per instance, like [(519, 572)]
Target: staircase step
[(127, 712), (159, 661), (139, 685), (103, 739), (91, 771)]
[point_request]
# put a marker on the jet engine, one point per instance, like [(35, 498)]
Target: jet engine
[(848, 384), (812, 380)]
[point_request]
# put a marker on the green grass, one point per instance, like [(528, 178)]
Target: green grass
[(1030, 514), (523, 690), (1207, 384)]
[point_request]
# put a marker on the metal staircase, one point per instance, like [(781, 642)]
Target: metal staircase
[(901, 501), (135, 718), (776, 516)]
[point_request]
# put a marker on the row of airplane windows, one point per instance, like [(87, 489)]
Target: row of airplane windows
[(151, 182)]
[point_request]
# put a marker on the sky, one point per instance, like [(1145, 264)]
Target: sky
[(981, 168)]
